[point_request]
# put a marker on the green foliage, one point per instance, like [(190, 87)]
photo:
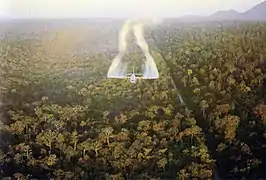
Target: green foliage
[(63, 119)]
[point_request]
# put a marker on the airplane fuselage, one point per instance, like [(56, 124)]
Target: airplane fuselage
[(133, 78)]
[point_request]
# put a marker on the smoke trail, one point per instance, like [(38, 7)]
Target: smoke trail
[(150, 70), (118, 68)]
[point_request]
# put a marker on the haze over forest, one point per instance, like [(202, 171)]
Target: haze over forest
[(105, 30)]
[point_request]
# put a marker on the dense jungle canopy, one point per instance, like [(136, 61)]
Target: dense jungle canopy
[(61, 118)]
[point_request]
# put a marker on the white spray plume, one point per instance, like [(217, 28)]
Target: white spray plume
[(118, 68)]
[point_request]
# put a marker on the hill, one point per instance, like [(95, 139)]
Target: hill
[(225, 15), (256, 13)]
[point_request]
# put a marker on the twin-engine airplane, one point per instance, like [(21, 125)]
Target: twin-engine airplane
[(118, 67), (133, 76)]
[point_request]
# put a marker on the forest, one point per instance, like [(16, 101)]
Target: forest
[(62, 118)]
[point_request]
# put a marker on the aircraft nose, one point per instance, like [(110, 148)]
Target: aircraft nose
[(132, 80)]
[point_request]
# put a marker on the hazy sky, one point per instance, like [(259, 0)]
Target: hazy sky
[(118, 8)]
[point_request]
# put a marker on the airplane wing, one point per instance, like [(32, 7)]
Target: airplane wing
[(118, 77), (138, 74), (122, 77), (149, 77), (128, 77)]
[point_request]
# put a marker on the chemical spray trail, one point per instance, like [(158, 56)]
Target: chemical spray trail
[(118, 68)]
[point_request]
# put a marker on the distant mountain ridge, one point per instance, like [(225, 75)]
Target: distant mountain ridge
[(256, 13)]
